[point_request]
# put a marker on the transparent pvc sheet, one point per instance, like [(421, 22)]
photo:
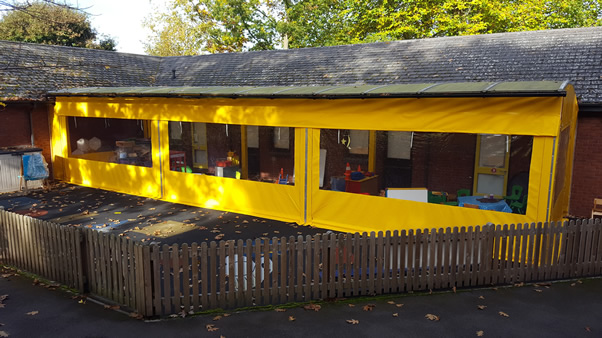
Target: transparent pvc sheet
[(122, 141), (256, 153), (430, 167)]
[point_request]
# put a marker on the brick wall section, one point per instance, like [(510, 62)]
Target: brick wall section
[(41, 130), (587, 168), (14, 125)]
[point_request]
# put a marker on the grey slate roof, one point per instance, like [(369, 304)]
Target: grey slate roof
[(553, 55), (28, 71)]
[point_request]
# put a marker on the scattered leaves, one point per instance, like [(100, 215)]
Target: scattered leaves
[(369, 307), (314, 307), (211, 327), (432, 317), (352, 321), (137, 315), (503, 314)]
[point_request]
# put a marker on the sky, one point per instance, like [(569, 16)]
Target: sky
[(121, 19)]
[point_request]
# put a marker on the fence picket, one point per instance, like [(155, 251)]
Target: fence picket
[(378, 273), (186, 278), (194, 274), (166, 263), (156, 272), (204, 279)]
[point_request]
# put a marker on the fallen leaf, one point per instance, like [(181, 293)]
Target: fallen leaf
[(391, 302), (519, 284), (480, 333), (137, 315), (481, 307), (280, 310), (503, 314), (3, 334), (211, 327), (351, 305), (368, 307), (32, 313), (399, 305), (291, 318), (573, 284), (3, 298), (454, 289), (226, 315), (588, 329), (353, 321), (81, 301), (216, 318), (481, 297), (538, 290), (314, 307), (396, 314), (432, 317)]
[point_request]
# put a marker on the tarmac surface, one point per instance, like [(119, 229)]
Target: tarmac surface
[(144, 219), (564, 309)]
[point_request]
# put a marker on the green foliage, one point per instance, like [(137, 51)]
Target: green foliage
[(48, 23), (198, 26)]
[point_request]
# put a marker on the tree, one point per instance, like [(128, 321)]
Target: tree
[(198, 26), (47, 22)]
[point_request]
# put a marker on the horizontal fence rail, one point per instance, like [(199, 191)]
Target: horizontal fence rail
[(173, 279)]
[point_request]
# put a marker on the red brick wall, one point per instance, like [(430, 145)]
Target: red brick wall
[(14, 125), (587, 167)]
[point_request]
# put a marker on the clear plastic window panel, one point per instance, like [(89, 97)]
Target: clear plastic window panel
[(429, 167), (110, 140), (216, 149)]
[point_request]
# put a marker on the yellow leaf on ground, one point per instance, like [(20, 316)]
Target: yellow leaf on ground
[(503, 314), (481, 307), (352, 321), (432, 317), (216, 318), (291, 318), (480, 333), (399, 305), (396, 314)]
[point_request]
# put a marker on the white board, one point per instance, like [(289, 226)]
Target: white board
[(409, 194)]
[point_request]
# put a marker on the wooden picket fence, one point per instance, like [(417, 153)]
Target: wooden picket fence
[(156, 280)]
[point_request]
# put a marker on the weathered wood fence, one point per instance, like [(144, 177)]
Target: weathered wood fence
[(168, 279)]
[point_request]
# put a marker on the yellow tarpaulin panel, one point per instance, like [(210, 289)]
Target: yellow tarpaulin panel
[(136, 180), (276, 201), (493, 115), (357, 213)]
